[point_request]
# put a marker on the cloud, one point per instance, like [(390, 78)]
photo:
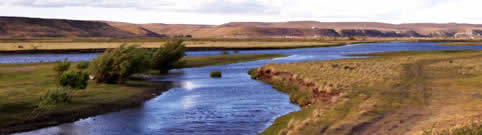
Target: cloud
[(234, 7), (140, 4), (221, 11)]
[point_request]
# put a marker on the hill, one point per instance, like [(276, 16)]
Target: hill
[(36, 27), (135, 28), (321, 29)]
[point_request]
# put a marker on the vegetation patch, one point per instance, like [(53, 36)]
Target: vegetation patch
[(74, 79), (215, 74)]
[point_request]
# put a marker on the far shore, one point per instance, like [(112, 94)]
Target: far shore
[(28, 46)]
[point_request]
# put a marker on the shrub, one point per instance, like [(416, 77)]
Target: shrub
[(167, 57), (236, 51), (224, 52), (74, 79), (253, 72), (55, 96), (61, 67), (351, 38), (215, 74), (116, 65), (83, 65)]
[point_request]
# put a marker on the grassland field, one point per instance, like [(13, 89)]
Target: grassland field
[(417, 92), (202, 44), (462, 43), (22, 85)]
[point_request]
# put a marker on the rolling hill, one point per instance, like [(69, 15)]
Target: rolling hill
[(36, 27)]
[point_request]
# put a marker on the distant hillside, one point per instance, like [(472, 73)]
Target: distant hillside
[(320, 29), (35, 27), (136, 29)]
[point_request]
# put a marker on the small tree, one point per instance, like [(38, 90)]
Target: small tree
[(74, 79), (116, 65), (167, 57), (216, 74), (55, 96), (83, 65), (61, 67), (224, 53)]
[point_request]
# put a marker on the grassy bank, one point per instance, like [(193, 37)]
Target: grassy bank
[(23, 85), (463, 43), (79, 45), (39, 47), (435, 92)]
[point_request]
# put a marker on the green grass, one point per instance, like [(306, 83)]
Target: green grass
[(23, 85)]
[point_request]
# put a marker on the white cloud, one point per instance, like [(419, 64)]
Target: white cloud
[(222, 11)]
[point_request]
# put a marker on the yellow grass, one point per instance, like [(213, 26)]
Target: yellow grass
[(462, 43), (398, 93), (189, 44)]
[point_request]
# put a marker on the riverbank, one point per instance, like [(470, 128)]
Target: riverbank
[(23, 84), (92, 47), (397, 93), (462, 43)]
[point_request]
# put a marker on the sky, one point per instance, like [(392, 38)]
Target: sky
[(224, 11)]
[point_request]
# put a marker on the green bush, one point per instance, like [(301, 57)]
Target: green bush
[(74, 79), (253, 72), (224, 52), (83, 65), (116, 65), (61, 67), (215, 74), (236, 51), (168, 56), (55, 96)]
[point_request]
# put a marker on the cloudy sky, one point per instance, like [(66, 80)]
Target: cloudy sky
[(223, 11)]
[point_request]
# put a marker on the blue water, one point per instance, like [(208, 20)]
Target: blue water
[(232, 105)]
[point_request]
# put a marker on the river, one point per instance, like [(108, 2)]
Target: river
[(232, 105)]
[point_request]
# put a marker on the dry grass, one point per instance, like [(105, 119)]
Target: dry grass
[(189, 44), (400, 93), (102, 43), (463, 43)]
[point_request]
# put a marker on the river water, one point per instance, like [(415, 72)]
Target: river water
[(231, 105)]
